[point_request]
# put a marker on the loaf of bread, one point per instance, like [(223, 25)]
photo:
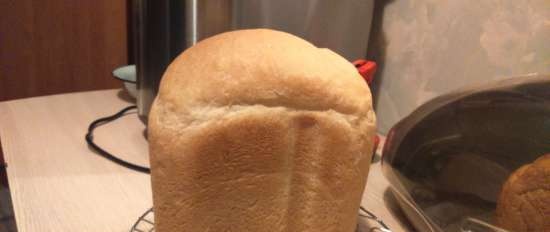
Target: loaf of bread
[(259, 130), (524, 202)]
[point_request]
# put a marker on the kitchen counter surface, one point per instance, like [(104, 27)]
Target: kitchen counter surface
[(58, 184)]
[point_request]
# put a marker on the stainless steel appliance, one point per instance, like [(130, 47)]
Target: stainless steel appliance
[(164, 28), (448, 160)]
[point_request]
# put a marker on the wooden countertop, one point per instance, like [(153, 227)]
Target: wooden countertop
[(58, 184)]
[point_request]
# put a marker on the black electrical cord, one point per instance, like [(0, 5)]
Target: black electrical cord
[(106, 154)]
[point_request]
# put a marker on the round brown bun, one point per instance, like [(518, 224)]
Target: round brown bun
[(524, 203), (259, 130)]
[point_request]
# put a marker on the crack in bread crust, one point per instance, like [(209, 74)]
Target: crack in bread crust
[(201, 116)]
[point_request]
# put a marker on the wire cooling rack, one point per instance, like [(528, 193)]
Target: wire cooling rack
[(146, 222)]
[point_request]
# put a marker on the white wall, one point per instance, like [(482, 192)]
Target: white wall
[(429, 47)]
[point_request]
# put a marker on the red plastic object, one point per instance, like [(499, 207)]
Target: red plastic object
[(366, 68), (376, 143)]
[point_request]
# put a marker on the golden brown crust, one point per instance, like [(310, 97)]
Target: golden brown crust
[(258, 130), (265, 67), (524, 203)]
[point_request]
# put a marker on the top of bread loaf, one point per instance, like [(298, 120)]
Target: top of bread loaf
[(263, 67)]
